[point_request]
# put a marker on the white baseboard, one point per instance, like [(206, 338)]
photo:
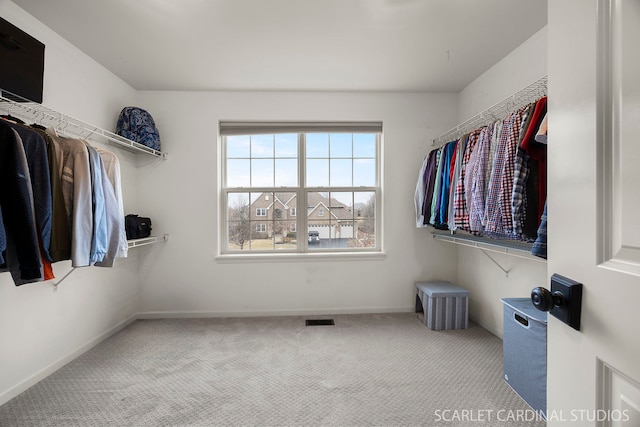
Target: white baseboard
[(269, 313), (9, 394)]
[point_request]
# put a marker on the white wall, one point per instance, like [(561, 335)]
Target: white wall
[(41, 329), (182, 197), (476, 272), (523, 66)]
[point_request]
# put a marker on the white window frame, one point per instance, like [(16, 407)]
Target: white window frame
[(261, 211), (301, 193), (261, 227), (292, 211)]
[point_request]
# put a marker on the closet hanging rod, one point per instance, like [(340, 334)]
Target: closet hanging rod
[(531, 93), (45, 116)]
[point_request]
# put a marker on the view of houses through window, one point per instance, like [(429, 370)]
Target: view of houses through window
[(270, 179), (344, 224)]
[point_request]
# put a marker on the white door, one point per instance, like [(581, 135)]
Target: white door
[(594, 209)]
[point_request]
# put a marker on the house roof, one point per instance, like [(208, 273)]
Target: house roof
[(338, 209), (314, 200)]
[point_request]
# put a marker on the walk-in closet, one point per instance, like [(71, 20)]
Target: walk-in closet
[(350, 209)]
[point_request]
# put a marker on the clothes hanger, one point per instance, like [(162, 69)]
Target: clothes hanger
[(8, 117), (37, 121)]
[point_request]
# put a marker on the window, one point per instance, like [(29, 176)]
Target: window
[(330, 171)]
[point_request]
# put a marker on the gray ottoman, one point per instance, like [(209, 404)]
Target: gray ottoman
[(443, 305)]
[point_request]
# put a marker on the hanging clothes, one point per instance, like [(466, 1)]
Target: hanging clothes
[(116, 234), (541, 136), (522, 170), (538, 151), (60, 248), (460, 207), (498, 213), (485, 183), (437, 186), (493, 214), (420, 192), (22, 249), (61, 199), (99, 240), (39, 187), (426, 177), (77, 192), (540, 245), (441, 213), (35, 149), (462, 150), (477, 178), (509, 175)]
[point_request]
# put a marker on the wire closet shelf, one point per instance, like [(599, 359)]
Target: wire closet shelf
[(38, 113), (527, 95)]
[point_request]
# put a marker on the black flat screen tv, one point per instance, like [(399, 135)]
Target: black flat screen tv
[(21, 64)]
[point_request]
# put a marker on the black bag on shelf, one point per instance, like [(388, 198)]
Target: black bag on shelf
[(137, 227)]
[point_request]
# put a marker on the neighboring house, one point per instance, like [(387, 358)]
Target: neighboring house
[(273, 214), (331, 218), (277, 214)]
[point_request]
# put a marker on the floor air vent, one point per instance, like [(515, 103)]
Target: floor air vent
[(319, 322)]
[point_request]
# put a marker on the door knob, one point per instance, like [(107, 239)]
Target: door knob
[(543, 299), (563, 301)]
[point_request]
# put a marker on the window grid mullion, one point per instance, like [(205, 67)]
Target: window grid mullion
[(250, 161), (329, 162), (273, 159), (353, 166), (301, 194)]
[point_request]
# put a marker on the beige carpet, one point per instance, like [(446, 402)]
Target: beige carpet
[(367, 370)]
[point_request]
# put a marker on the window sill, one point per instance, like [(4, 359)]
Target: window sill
[(300, 257)]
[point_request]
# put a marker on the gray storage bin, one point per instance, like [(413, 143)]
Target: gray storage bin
[(443, 305), (525, 351)]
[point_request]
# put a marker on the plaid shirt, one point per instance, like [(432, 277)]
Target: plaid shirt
[(477, 182), (495, 141), (494, 225), (460, 203), (519, 193), (508, 177), (519, 199), (503, 215)]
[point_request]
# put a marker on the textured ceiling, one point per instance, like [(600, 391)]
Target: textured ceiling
[(354, 45)]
